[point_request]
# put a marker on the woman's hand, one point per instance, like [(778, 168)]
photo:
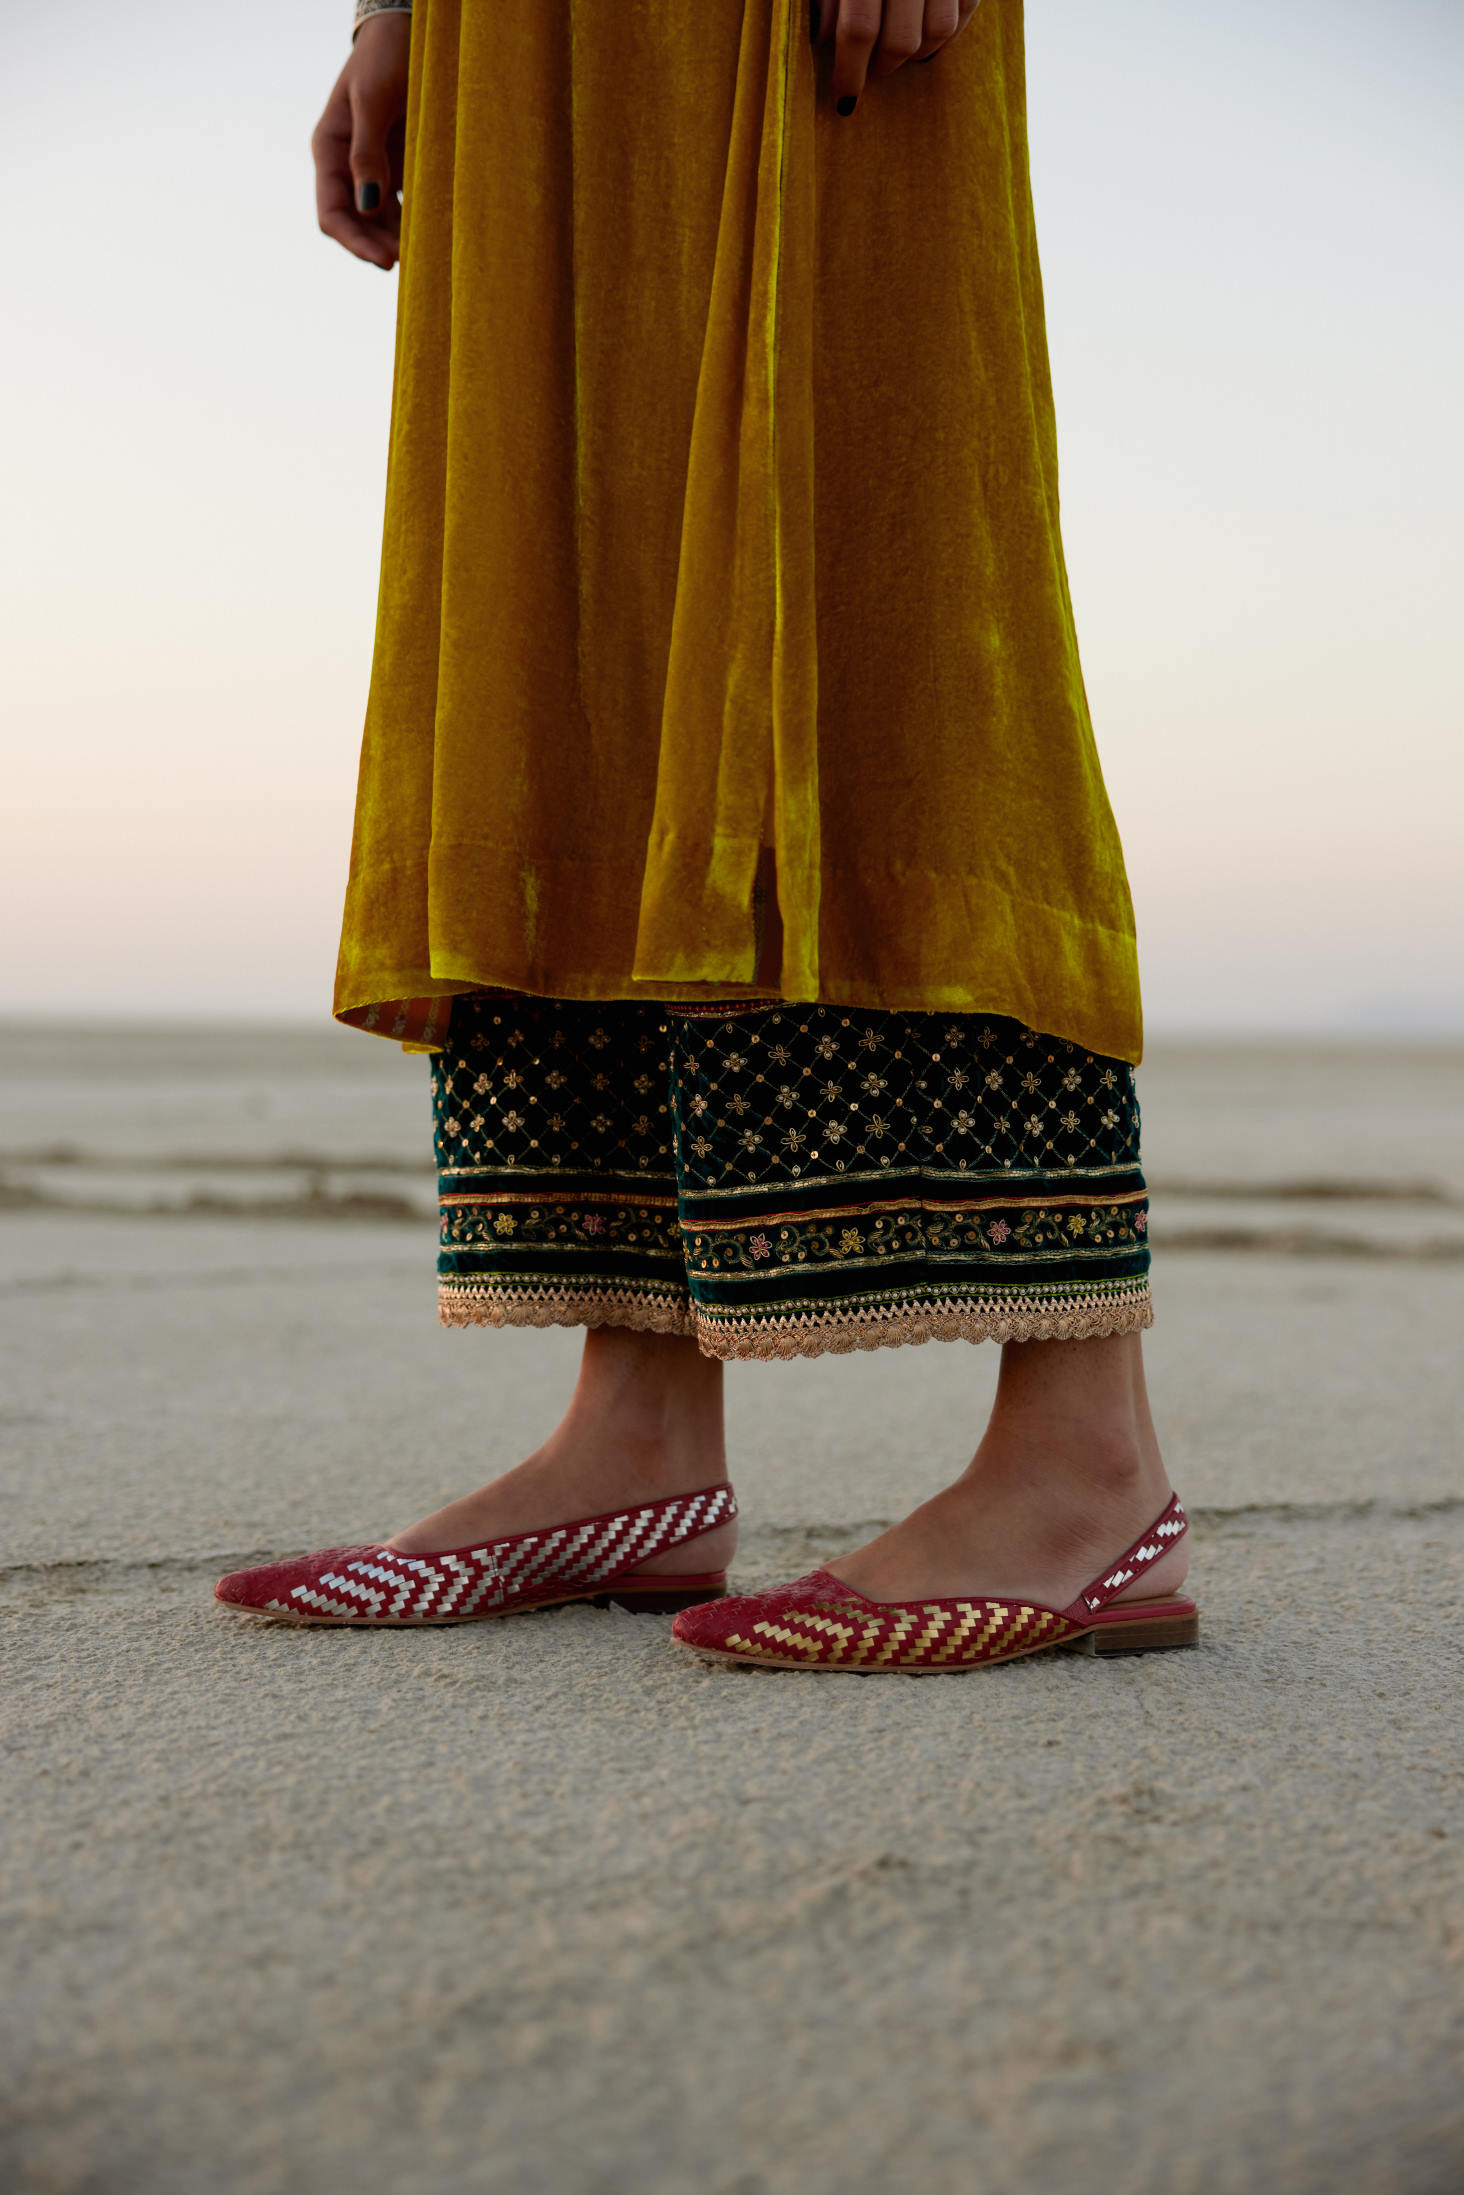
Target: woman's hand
[(358, 143), (873, 38)]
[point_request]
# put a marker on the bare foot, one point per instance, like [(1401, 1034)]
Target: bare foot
[(644, 1422), (1068, 1475)]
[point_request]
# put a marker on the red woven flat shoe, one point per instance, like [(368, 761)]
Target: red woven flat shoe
[(819, 1622), (592, 1560)]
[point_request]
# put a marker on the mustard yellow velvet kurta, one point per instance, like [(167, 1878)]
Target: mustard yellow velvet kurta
[(722, 516)]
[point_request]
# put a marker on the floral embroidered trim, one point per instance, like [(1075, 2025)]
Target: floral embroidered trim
[(597, 1223), (1003, 1229)]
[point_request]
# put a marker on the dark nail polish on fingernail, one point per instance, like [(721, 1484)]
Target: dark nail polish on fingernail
[(847, 104), (368, 197)]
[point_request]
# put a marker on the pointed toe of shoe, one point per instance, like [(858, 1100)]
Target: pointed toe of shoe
[(270, 1587), (704, 1625), (239, 1588), (752, 1626), (250, 1588)]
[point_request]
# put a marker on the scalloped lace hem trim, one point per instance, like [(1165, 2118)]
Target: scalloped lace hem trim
[(839, 1333), (1082, 1316), (489, 1305)]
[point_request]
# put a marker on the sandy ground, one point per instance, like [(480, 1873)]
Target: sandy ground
[(543, 1905)]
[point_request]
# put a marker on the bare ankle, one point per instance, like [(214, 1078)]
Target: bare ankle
[(644, 1423), (651, 1394), (1078, 1412)]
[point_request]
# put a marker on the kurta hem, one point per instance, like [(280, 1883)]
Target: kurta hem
[(1010, 956)]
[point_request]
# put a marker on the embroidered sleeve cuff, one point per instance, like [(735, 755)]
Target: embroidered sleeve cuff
[(365, 8)]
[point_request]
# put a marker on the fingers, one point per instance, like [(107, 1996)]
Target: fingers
[(358, 141), (852, 27), (901, 36), (372, 116), (873, 38), (335, 184), (943, 18)]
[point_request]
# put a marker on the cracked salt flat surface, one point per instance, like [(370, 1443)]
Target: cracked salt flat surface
[(543, 1905)]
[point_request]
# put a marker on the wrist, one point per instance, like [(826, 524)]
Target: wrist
[(368, 10)]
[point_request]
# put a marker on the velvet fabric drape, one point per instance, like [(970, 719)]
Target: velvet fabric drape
[(722, 515)]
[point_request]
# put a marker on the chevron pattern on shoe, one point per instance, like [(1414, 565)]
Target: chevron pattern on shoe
[(379, 1585), (817, 1624)]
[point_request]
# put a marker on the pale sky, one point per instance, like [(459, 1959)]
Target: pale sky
[(1250, 219)]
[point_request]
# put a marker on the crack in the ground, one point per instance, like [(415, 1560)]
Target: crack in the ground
[(57, 1284), (1311, 1243), (1304, 1242), (1364, 1511), (1318, 1189), (1315, 1188), (308, 1204), (70, 1155)]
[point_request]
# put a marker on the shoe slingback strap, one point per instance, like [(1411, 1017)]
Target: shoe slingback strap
[(1165, 1532)]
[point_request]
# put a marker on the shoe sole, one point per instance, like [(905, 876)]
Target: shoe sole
[(1151, 1635), (652, 1602), (1146, 1635)]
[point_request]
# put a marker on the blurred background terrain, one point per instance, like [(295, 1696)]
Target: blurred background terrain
[(1250, 222)]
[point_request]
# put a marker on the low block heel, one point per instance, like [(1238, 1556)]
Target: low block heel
[(1151, 1635)]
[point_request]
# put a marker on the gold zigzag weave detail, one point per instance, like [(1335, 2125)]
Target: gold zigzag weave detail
[(954, 1634)]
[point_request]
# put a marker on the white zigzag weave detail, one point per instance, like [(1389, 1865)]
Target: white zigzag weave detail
[(383, 1585)]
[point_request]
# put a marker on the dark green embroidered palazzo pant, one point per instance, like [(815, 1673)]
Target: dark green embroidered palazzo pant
[(782, 1181)]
